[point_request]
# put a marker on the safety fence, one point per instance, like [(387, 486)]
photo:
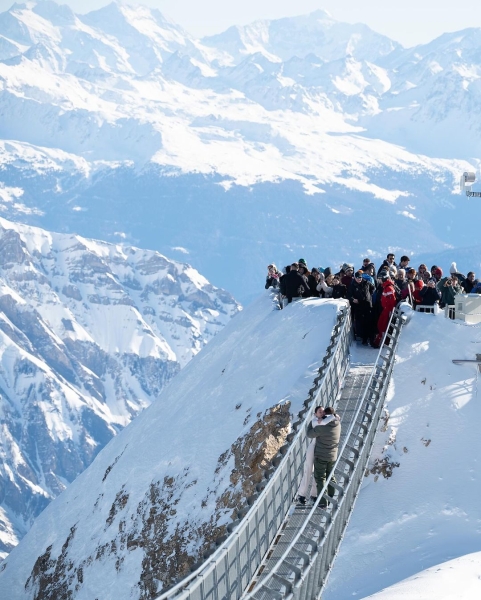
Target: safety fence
[(453, 311), (303, 569), (226, 573)]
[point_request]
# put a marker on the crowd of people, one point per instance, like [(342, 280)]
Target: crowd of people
[(373, 294)]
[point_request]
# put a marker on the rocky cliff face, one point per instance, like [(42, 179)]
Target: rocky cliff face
[(90, 334)]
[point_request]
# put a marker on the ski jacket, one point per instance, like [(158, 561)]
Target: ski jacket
[(468, 285), (294, 285), (448, 292), (362, 292), (327, 440), (388, 296), (339, 291), (324, 289), (429, 296)]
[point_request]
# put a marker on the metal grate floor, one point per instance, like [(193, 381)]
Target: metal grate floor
[(347, 404)]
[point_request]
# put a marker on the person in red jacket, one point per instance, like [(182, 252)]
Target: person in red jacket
[(388, 303)]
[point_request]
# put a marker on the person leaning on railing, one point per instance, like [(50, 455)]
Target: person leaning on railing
[(430, 295)]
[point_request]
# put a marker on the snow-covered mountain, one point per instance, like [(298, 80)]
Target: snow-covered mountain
[(317, 33), (419, 506), (90, 334), (162, 491), (237, 147)]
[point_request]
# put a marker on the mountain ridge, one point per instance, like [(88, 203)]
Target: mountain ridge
[(349, 121), (90, 335)]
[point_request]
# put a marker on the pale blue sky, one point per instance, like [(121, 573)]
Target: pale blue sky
[(407, 21)]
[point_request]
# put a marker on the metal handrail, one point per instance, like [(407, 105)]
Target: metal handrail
[(427, 308), (228, 571), (307, 562)]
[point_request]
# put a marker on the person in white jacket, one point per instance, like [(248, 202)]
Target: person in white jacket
[(323, 287), (307, 479)]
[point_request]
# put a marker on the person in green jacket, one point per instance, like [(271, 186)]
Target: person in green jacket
[(325, 451), (449, 287)]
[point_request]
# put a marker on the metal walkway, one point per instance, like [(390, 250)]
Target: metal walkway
[(304, 551), (347, 407), (273, 551)]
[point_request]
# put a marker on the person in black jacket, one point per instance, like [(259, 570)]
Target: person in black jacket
[(469, 282), (338, 289), (294, 284), (361, 299), (387, 264), (430, 295), (313, 280)]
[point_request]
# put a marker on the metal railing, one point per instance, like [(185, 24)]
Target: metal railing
[(228, 571), (426, 308), (303, 569)]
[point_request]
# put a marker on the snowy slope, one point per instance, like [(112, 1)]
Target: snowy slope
[(90, 333), (162, 491), (419, 506), (459, 578), (236, 147)]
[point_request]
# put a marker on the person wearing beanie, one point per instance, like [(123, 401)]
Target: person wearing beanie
[(302, 262), (453, 269), (348, 276), (369, 278)]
